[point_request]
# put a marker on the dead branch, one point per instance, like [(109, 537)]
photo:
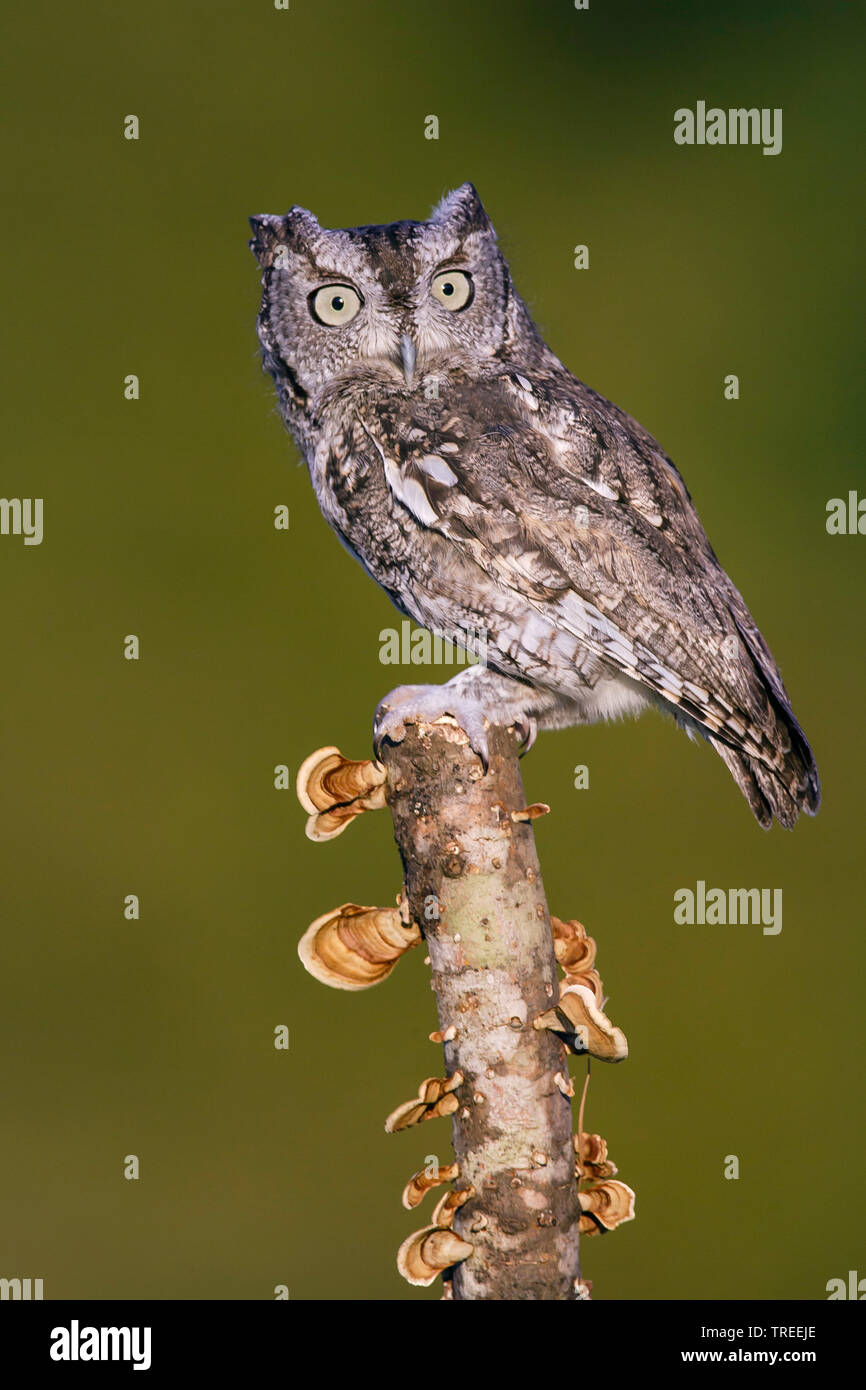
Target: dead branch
[(523, 1186), (473, 884)]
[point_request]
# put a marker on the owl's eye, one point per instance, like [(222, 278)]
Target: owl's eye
[(453, 289), (335, 305)]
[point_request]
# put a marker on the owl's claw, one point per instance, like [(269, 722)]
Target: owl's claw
[(526, 728), (424, 704)]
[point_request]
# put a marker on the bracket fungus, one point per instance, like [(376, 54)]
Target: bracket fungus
[(424, 1181), (442, 1035), (604, 1203), (334, 789), (574, 950), (583, 1026), (605, 1206), (435, 1097), (427, 1253), (591, 1160), (579, 1017), (530, 813), (354, 947), (449, 1203)]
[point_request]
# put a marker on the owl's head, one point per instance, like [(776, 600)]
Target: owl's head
[(396, 300)]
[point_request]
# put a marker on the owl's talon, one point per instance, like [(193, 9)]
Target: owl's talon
[(424, 704), (388, 723), (526, 728)]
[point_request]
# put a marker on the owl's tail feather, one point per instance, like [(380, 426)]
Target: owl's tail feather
[(787, 785), (784, 793)]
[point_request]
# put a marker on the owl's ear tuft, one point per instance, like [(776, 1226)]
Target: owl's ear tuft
[(296, 229), (267, 236), (463, 210)]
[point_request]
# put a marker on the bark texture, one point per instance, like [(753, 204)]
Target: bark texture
[(474, 887)]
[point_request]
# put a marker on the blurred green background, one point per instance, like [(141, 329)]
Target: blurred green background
[(155, 1037)]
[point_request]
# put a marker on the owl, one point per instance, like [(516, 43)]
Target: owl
[(488, 491)]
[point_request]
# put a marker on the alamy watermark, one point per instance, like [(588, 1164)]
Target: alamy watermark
[(22, 516), (77, 1343), (846, 516), (420, 646), (854, 1287), (735, 126), (729, 907), (21, 1290)]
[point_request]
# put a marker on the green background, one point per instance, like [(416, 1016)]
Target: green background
[(155, 1037)]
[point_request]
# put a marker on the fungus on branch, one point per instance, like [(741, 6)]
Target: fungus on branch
[(591, 1160), (424, 1181), (428, 1253), (583, 1025), (533, 812), (579, 1017), (334, 789), (354, 947), (450, 1203), (574, 950), (435, 1097), (605, 1206)]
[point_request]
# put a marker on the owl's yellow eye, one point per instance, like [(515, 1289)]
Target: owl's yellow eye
[(453, 289), (335, 305)]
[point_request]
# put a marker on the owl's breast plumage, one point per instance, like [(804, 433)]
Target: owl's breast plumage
[(525, 506)]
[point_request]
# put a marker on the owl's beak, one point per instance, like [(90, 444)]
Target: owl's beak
[(407, 357)]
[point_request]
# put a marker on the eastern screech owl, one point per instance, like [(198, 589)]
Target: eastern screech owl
[(487, 490)]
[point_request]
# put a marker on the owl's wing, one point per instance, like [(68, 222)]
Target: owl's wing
[(570, 509)]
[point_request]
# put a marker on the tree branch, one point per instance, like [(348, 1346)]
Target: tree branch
[(473, 883)]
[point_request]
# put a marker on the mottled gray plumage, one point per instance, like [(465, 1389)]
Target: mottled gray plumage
[(484, 487)]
